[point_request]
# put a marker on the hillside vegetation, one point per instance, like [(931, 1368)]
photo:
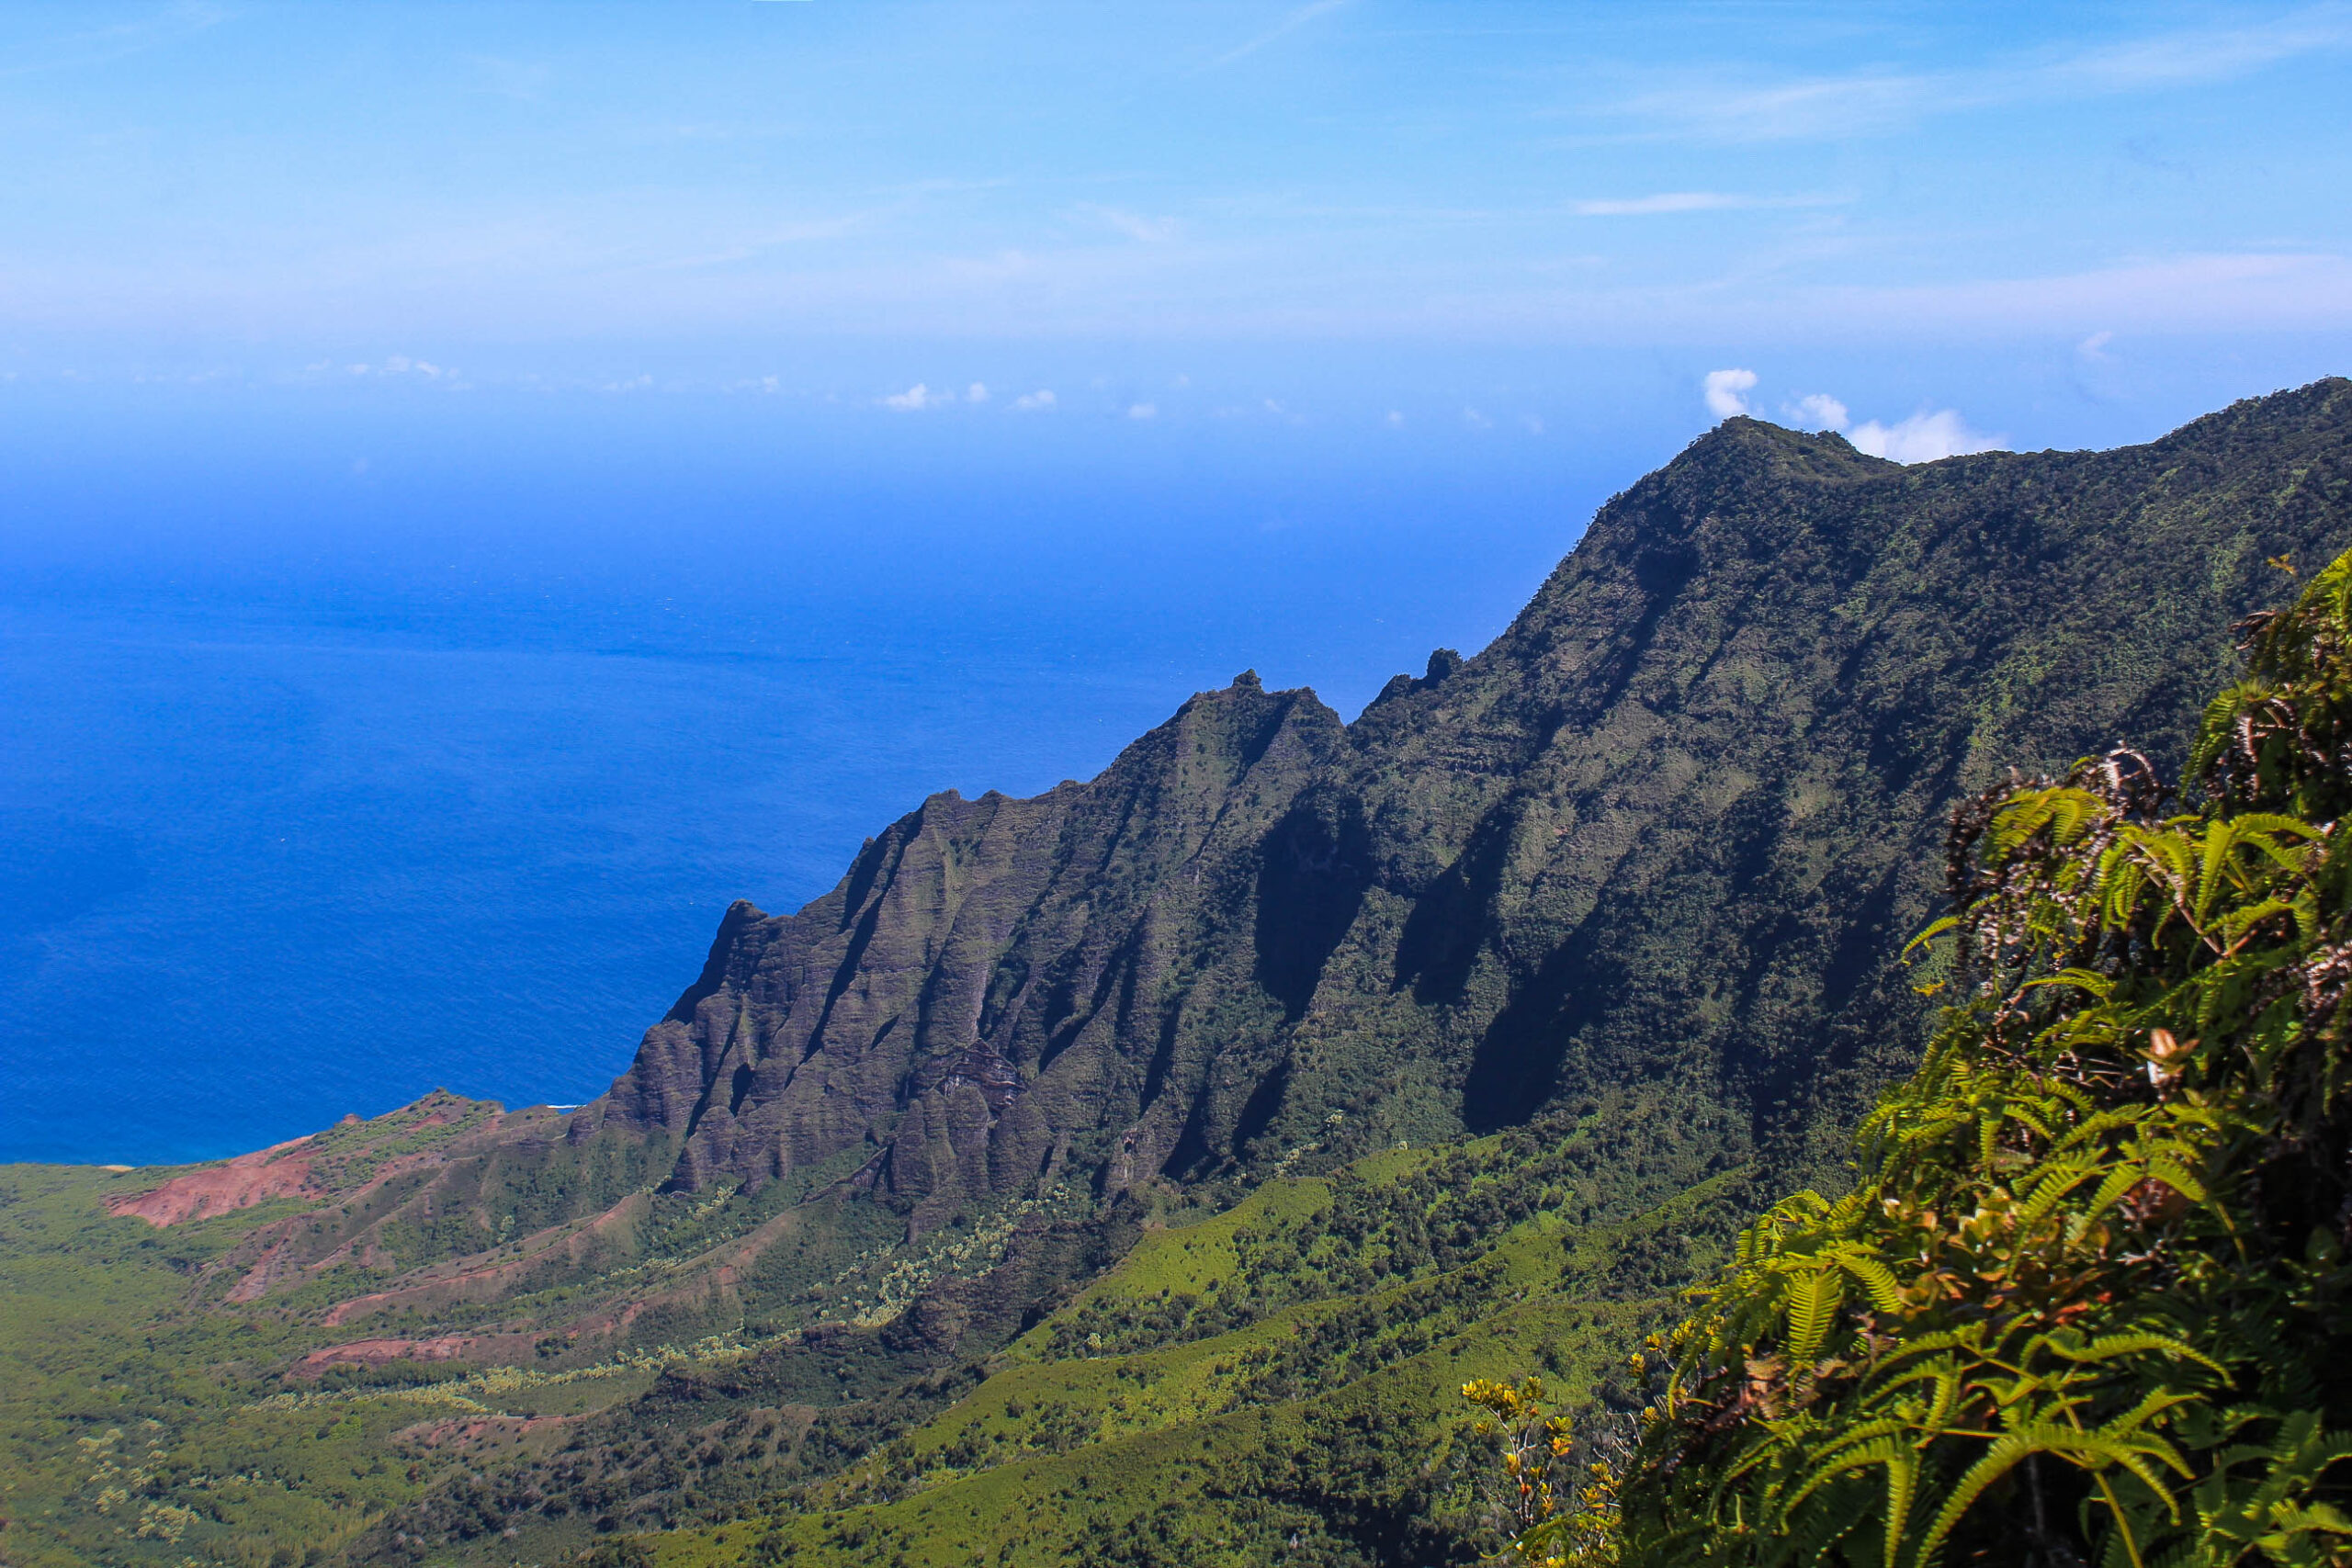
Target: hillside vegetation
[(2088, 1301)]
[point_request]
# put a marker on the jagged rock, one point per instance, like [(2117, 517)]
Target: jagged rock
[(1663, 831)]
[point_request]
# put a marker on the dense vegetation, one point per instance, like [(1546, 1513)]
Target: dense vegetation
[(1323, 1430), (2088, 1301)]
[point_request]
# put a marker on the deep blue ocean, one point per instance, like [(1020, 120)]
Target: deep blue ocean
[(345, 756)]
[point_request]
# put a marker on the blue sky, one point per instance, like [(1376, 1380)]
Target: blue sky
[(2044, 223)]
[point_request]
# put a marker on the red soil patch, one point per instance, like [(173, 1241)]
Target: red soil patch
[(380, 1352), (436, 1286), (259, 1277), (247, 1180)]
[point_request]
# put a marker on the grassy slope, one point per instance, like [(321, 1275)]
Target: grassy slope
[(122, 1409), (148, 1416), (1177, 1454), (1297, 1352)]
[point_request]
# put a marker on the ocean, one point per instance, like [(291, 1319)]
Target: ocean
[(322, 788)]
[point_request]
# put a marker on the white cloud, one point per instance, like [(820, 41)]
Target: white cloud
[(978, 392), (1143, 411), (1395, 420), (1030, 401), (1816, 410), (1533, 424), (2094, 345), (1722, 391), (1476, 420), (1922, 438), (916, 398), (397, 365)]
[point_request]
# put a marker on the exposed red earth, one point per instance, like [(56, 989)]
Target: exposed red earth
[(282, 1170), (380, 1352)]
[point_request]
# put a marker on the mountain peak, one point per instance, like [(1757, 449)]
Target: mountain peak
[(1484, 896)]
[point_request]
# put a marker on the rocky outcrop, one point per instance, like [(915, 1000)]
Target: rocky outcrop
[(998, 986)]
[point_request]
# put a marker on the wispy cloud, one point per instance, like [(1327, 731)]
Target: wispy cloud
[(1143, 411), (1290, 24), (95, 46), (1134, 225), (1669, 201), (1033, 402), (1723, 108), (2197, 292), (2201, 54), (1691, 202)]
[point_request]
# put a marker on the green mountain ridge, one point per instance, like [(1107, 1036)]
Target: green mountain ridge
[(1223, 1114), (1726, 725)]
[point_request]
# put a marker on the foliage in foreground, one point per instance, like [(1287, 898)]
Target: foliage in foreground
[(2088, 1301)]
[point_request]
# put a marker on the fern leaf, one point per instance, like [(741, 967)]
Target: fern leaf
[(1814, 1299)]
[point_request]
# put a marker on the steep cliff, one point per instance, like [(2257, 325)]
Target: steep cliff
[(1663, 835), (1001, 986)]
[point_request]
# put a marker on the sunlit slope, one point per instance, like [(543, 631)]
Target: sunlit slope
[(270, 1353), (1329, 1422)]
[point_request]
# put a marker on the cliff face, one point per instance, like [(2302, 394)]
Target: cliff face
[(998, 983), (1657, 839)]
